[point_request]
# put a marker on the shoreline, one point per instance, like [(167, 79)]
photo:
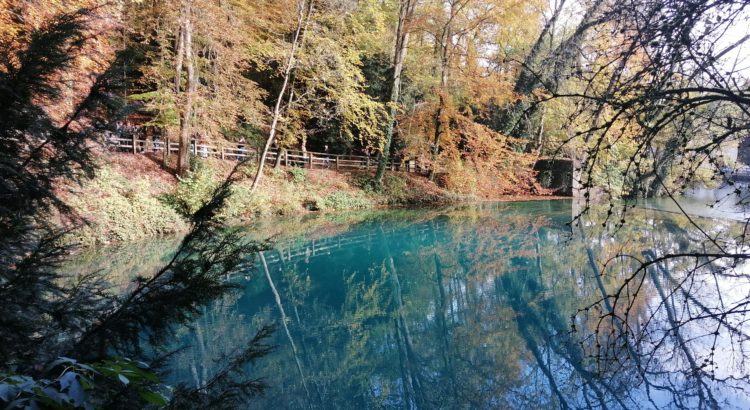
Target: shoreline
[(133, 197), (322, 216)]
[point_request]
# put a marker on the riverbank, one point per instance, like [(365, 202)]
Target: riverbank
[(134, 196)]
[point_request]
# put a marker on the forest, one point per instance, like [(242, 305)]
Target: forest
[(213, 132)]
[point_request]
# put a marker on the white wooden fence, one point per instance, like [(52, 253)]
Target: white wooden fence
[(236, 152)]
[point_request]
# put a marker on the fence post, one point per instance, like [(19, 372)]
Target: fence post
[(221, 148), (286, 158), (195, 148), (337, 162), (135, 150), (367, 167), (165, 151), (310, 159)]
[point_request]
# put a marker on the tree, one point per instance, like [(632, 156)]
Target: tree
[(46, 314), (444, 37), (403, 31), (541, 72), (304, 12), (185, 55), (663, 79), (208, 95), (325, 100), (446, 125)]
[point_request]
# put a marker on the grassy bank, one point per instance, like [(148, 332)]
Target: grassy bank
[(134, 197)]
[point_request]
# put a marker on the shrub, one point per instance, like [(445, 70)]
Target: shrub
[(121, 210), (243, 206), (276, 174), (460, 179), (298, 175), (366, 183), (396, 189), (343, 200), (193, 190), (312, 203)]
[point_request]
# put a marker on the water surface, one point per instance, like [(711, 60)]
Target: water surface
[(485, 306)]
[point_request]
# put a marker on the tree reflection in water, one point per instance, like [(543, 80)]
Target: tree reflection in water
[(490, 306)]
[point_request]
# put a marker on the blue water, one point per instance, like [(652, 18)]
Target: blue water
[(483, 306)]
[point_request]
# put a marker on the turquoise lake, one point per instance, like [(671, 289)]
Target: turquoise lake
[(501, 305)]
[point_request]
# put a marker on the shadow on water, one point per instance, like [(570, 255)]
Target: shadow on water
[(486, 306)]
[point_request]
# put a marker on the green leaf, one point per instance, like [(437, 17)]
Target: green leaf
[(153, 398)]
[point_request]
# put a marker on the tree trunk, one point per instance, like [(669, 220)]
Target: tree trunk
[(516, 120), (179, 54), (663, 161), (519, 118), (283, 150), (527, 79), (149, 143), (303, 19), (440, 123), (406, 12), (279, 156), (187, 111)]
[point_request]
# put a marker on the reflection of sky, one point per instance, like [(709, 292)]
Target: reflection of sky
[(737, 60), (710, 203), (716, 296)]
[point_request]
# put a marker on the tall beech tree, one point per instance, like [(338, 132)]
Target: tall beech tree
[(185, 57), (403, 31), (207, 95), (546, 71), (304, 12), (466, 75)]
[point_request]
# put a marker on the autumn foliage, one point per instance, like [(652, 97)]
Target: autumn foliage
[(222, 84)]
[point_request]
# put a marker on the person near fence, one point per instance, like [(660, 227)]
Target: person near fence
[(110, 139), (156, 142), (241, 148), (202, 148)]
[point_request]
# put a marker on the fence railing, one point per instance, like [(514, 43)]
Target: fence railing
[(286, 157)]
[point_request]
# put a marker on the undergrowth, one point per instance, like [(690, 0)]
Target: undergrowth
[(118, 209), (123, 208), (339, 201)]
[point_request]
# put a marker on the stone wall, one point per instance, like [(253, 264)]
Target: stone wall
[(556, 174)]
